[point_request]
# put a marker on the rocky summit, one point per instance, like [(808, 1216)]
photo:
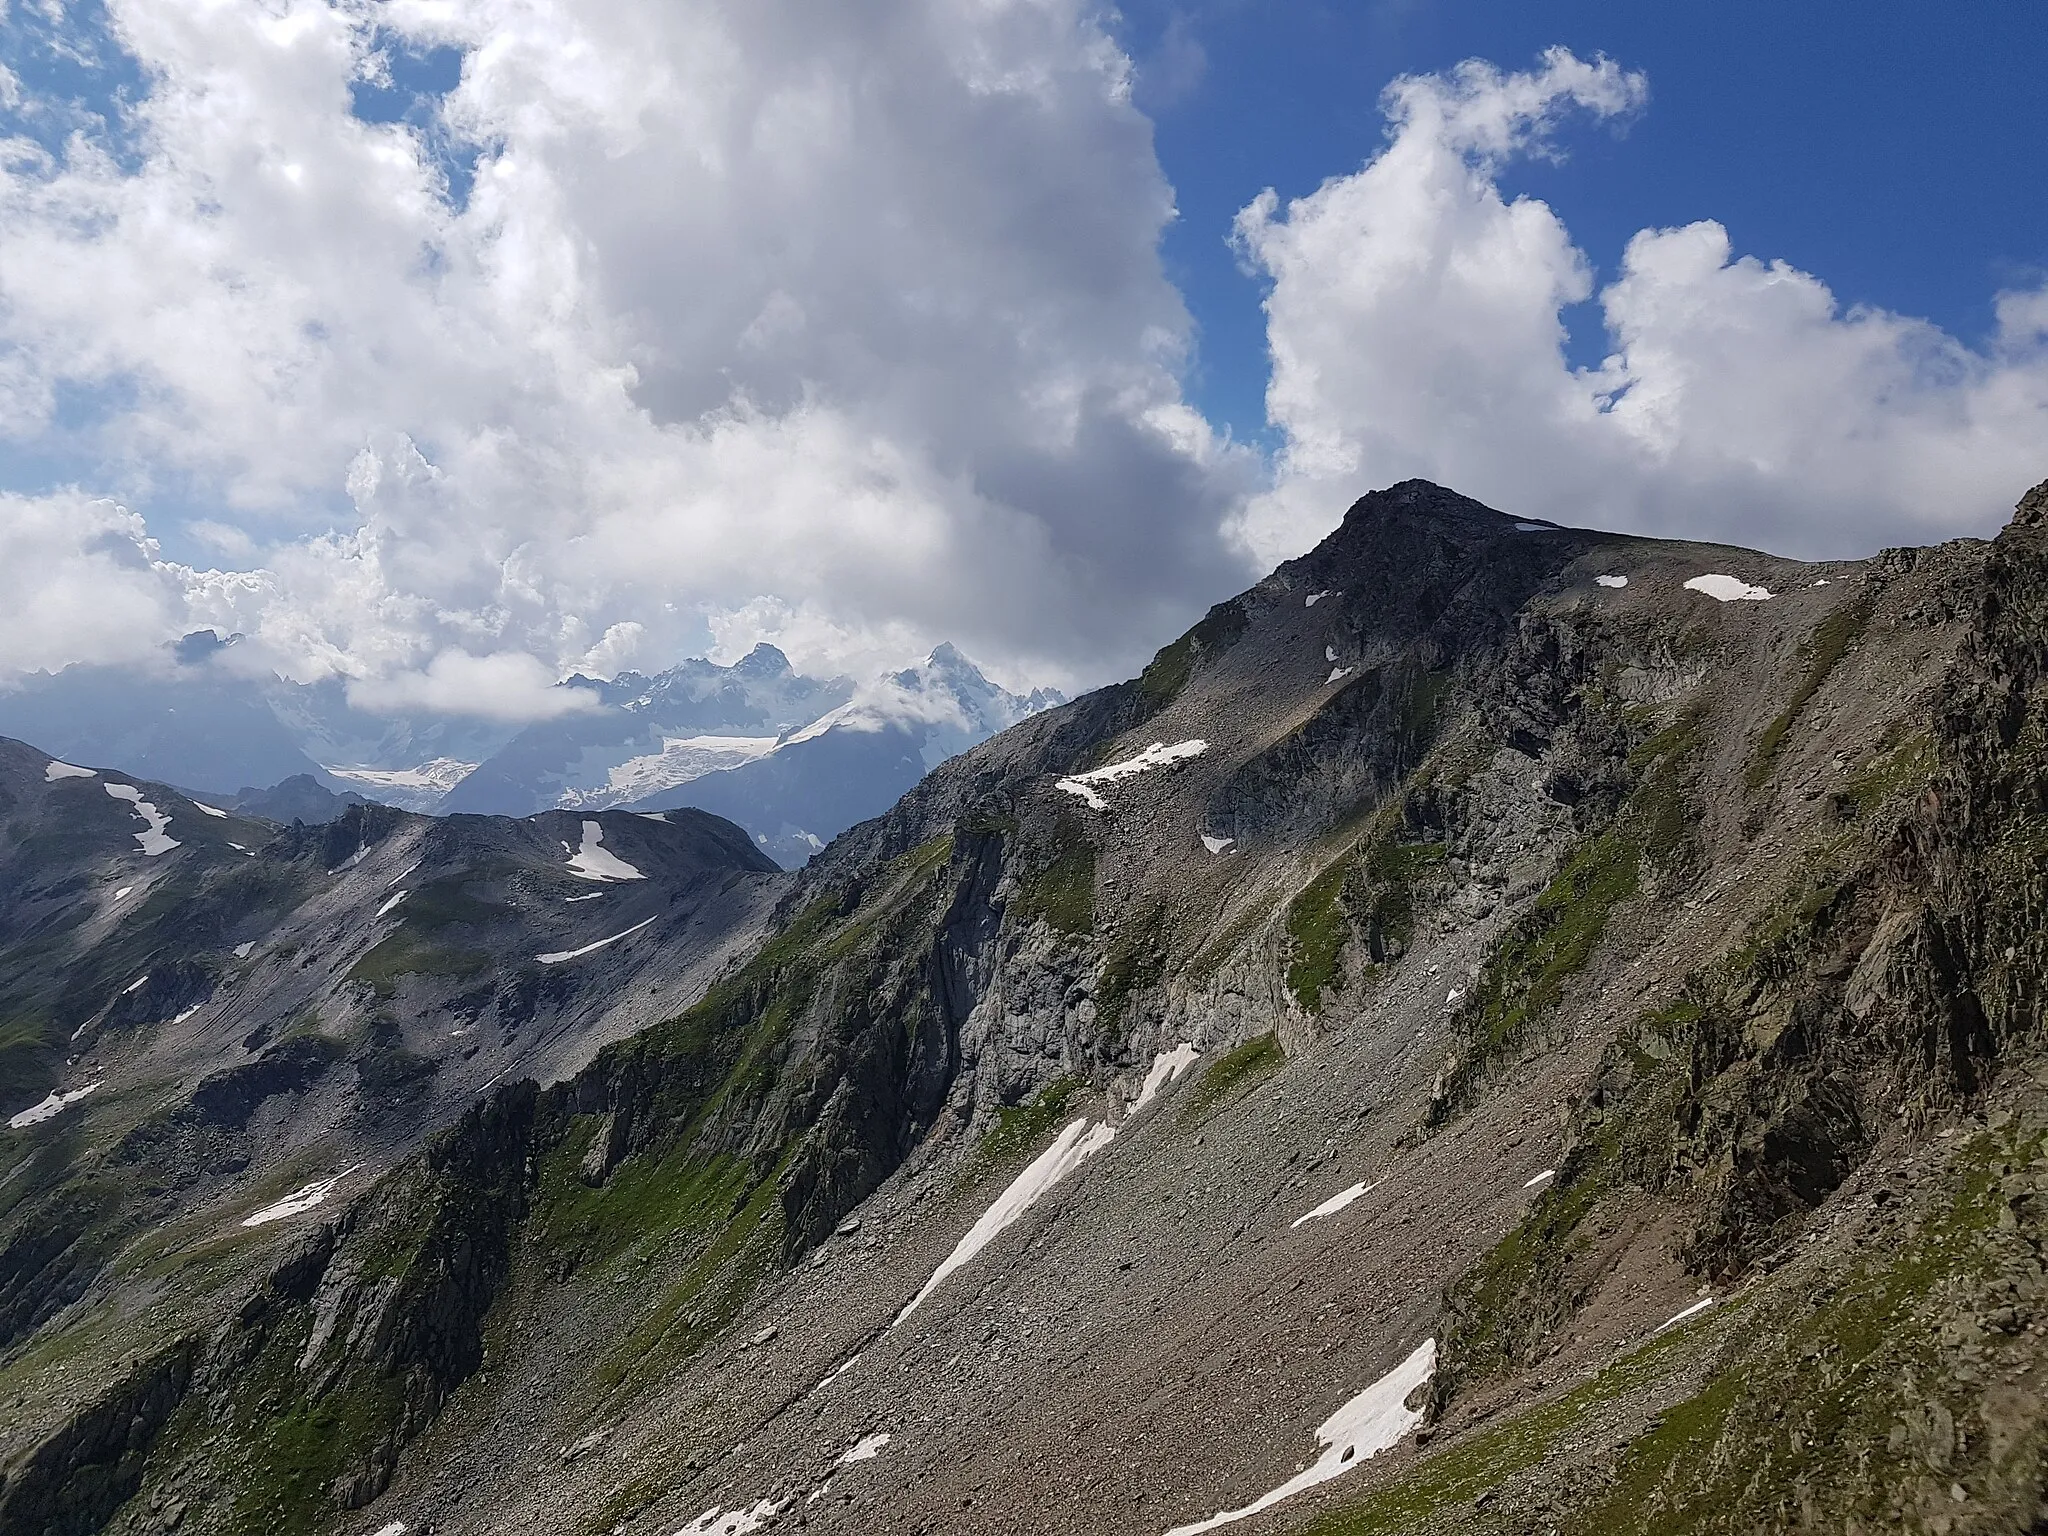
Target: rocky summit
[(1500, 1028)]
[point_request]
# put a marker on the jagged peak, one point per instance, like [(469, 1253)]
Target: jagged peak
[(2032, 511), (764, 660)]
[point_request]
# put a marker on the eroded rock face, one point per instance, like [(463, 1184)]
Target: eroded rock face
[(1540, 951)]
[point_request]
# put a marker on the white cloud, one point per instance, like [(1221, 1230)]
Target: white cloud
[(510, 685), (1416, 329), (857, 314), (80, 581), (844, 329)]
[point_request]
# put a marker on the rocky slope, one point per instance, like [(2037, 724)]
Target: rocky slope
[(1500, 1028)]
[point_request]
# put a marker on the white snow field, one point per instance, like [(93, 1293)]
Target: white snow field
[(390, 902), (594, 861), (681, 759), (1542, 1178), (58, 771), (55, 1104), (1082, 785), (1216, 844), (430, 778), (577, 954), (1371, 1422), (1333, 1205), (1317, 597), (1167, 1066), (1070, 1149), (867, 1450), (732, 1522), (1727, 589), (304, 1198), (1611, 581), (1696, 1308), (1337, 675), (152, 838)]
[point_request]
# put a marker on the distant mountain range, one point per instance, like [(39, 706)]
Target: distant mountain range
[(793, 759)]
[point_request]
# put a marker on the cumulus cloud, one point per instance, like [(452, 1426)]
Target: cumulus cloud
[(673, 328), (509, 685), (1416, 328), (852, 312), (80, 580)]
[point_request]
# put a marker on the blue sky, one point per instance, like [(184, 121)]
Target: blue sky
[(1896, 149), (510, 338)]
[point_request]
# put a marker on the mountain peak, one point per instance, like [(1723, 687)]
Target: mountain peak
[(764, 660)]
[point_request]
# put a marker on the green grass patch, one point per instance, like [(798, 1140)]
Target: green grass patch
[(1133, 963), (405, 953), (1906, 768), (1458, 1474), (1525, 976), (1061, 891), (1316, 935), (1830, 640), (1830, 1418), (1021, 1127), (1232, 1073), (1373, 892), (1162, 681)]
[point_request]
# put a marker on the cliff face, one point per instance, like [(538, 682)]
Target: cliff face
[(1616, 961)]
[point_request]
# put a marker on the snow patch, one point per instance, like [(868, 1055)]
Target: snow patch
[(118, 895), (1535, 528), (400, 879), (432, 778), (1337, 675), (1329, 653), (138, 981), (58, 770), (1542, 1178), (867, 1450), (1167, 1067), (1333, 1205), (1216, 844), (593, 861), (1693, 1310), (1073, 1147), (1611, 581), (304, 1198), (593, 896), (36, 1114), (242, 950), (732, 1522), (1370, 1423), (577, 954), (1727, 589), (395, 1528), (152, 839), (205, 809), (1317, 597), (680, 760), (1081, 785), (389, 903)]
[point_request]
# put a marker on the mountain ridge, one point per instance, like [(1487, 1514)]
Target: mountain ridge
[(1478, 932)]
